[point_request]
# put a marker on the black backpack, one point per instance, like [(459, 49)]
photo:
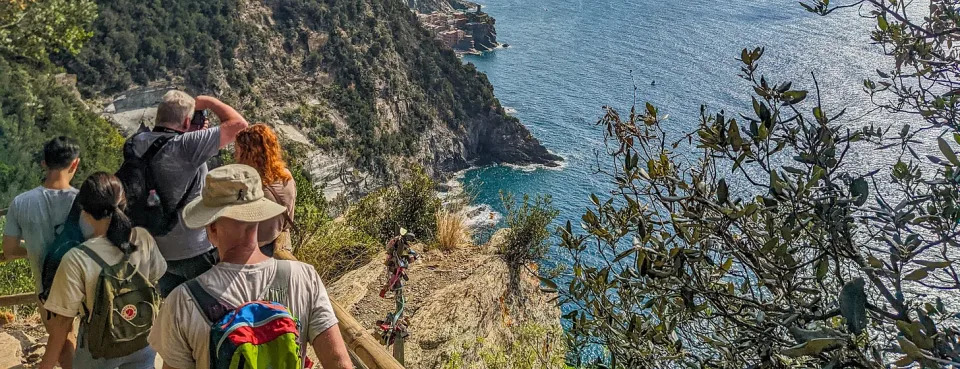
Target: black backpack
[(145, 207), (69, 235)]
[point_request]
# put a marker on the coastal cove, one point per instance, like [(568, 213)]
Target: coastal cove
[(570, 58)]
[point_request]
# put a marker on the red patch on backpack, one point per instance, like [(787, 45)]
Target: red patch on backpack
[(128, 312)]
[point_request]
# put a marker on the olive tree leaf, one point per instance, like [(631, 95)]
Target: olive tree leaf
[(859, 190), (853, 305), (935, 264), (548, 285), (813, 347), (909, 348), (823, 267), (917, 275), (723, 192), (948, 151)]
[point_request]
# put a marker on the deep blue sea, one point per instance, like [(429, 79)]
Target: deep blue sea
[(569, 58)]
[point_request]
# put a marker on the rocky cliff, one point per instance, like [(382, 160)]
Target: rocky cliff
[(361, 81), (460, 315)]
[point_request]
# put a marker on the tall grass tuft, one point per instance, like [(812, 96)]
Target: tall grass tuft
[(452, 231)]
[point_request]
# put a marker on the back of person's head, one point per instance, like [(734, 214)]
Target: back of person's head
[(60, 153), (101, 196), (258, 147), (176, 108)]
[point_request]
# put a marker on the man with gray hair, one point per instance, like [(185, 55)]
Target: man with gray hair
[(178, 165)]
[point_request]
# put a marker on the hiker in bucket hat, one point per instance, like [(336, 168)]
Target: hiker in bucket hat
[(232, 191), (230, 206)]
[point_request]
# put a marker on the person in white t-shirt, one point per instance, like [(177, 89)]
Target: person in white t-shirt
[(230, 206), (35, 217), (74, 291)]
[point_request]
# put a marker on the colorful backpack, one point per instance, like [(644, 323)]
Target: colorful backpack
[(123, 311), (257, 334)]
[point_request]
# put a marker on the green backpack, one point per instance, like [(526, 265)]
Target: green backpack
[(123, 310)]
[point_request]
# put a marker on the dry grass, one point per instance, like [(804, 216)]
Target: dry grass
[(334, 249), (452, 232)]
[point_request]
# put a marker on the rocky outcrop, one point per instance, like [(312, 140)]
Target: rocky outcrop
[(484, 32), (379, 93), (457, 305)]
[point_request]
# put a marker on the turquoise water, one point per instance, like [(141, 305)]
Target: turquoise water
[(568, 58)]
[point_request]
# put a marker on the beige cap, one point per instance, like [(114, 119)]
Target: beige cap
[(232, 191)]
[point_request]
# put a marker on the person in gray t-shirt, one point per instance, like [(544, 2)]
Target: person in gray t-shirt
[(34, 217), (181, 165)]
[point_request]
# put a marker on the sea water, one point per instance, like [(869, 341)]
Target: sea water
[(569, 58)]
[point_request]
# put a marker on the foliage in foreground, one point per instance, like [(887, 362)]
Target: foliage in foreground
[(754, 242), (33, 29), (527, 240), (334, 249), (15, 276), (452, 231), (533, 347), (412, 204)]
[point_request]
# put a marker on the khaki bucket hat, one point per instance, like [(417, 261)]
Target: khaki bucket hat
[(232, 191)]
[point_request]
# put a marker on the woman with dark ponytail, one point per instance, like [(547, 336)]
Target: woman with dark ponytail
[(110, 238)]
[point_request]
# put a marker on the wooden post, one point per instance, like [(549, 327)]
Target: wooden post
[(368, 349)]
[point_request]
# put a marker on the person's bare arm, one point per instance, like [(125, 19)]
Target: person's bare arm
[(231, 122), (60, 327), (12, 249), (331, 350)]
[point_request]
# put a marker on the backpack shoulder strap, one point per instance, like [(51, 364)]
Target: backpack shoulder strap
[(155, 147), (213, 310), (282, 278), (93, 255), (286, 213), (186, 194), (281, 282)]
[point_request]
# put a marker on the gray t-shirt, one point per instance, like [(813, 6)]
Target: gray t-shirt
[(181, 334), (175, 167), (35, 217)]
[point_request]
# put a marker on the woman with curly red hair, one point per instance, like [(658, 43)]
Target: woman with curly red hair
[(258, 147)]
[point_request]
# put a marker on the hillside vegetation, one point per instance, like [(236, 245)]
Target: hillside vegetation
[(382, 89)]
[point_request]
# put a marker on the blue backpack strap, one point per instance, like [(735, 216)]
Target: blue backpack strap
[(213, 310)]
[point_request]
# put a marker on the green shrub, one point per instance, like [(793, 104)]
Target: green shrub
[(527, 241), (533, 346), (334, 248), (15, 277), (412, 205)]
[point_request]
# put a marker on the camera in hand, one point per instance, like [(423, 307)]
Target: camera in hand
[(199, 117)]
